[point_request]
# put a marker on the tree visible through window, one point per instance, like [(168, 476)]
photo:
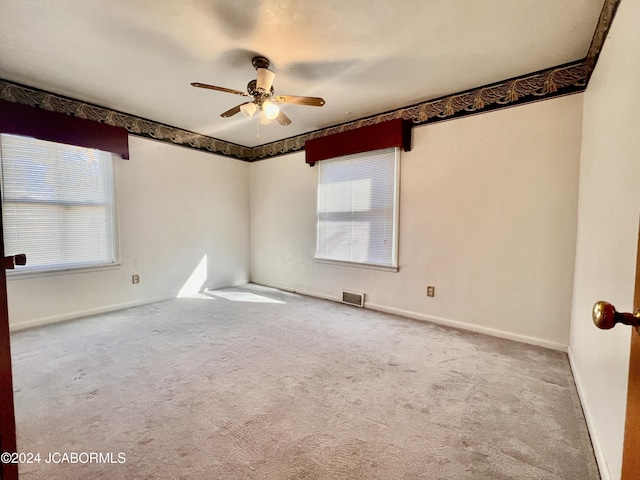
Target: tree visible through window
[(57, 203), (357, 208)]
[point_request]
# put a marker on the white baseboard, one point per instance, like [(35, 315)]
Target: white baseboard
[(470, 327), (39, 322), (224, 285), (287, 288), (601, 459), (428, 318)]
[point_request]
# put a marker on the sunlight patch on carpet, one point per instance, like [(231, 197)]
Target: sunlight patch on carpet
[(244, 297)]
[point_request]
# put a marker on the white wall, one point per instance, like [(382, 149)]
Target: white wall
[(488, 213), (176, 205), (609, 209)]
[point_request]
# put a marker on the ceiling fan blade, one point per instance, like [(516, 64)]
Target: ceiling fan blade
[(312, 101), (232, 111), (219, 89), (283, 119), (265, 79)]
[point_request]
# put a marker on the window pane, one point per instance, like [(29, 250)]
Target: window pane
[(57, 203), (356, 208)]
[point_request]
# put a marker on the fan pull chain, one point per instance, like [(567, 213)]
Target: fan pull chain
[(257, 126)]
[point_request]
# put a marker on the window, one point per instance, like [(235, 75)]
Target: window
[(58, 203), (358, 208)]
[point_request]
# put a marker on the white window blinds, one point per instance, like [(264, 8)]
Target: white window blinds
[(357, 208), (58, 203)]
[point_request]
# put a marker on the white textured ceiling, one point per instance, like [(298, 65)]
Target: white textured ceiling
[(362, 56)]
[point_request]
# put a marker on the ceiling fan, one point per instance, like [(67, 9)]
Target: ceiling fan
[(264, 101)]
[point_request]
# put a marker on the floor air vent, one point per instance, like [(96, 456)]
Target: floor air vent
[(353, 298)]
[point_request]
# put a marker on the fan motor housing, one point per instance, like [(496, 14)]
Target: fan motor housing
[(260, 62), (254, 92)]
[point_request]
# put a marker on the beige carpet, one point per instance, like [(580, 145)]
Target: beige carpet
[(254, 383)]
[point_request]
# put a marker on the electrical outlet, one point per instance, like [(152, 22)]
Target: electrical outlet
[(135, 279), (431, 291)]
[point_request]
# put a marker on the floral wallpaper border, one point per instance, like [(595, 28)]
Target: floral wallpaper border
[(14, 92), (609, 10), (552, 82)]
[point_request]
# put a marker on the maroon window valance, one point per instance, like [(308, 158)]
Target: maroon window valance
[(35, 122), (393, 133)]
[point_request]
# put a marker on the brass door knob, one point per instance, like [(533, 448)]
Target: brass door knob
[(605, 316)]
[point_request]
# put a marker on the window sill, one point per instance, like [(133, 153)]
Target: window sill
[(20, 274), (369, 266)]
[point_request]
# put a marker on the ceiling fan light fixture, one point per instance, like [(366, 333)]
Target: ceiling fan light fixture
[(270, 109), (248, 109), (263, 119), (265, 79), (264, 103)]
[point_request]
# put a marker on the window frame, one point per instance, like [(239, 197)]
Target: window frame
[(28, 271), (394, 266)]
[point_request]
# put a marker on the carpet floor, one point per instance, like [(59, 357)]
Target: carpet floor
[(256, 383)]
